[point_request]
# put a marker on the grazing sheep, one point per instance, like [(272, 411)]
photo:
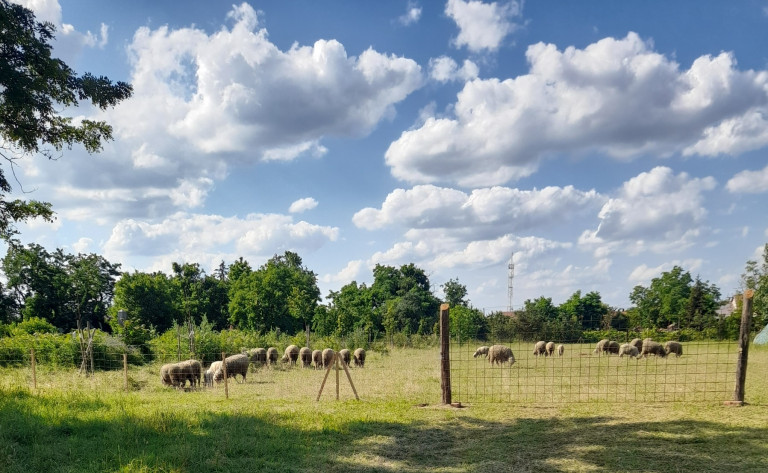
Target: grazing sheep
[(272, 355), (637, 343), (236, 365), (560, 350), (652, 348), (305, 355), (359, 357), (165, 374), (629, 350), (317, 358), (550, 348), (483, 350), (291, 354), (258, 356), (191, 371), (499, 354), (328, 355), (600, 348), (540, 348), (673, 347), (345, 355), (210, 372), (612, 347)]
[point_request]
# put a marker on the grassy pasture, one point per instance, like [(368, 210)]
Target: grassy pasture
[(273, 423)]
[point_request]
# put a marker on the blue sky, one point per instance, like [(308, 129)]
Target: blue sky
[(600, 142)]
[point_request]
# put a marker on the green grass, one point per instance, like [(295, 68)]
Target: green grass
[(273, 423)]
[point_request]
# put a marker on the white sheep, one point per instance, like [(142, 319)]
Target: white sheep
[(673, 347), (540, 348), (359, 357), (629, 350), (560, 350), (500, 354), (483, 350), (550, 348)]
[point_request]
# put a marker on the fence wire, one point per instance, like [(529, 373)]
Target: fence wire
[(705, 372)]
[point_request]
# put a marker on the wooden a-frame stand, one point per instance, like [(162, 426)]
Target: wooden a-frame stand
[(335, 362)]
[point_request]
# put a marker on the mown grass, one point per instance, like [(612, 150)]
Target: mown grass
[(273, 423)]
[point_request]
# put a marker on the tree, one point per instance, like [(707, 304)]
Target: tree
[(455, 293), (467, 323), (403, 300), (755, 277), (147, 298), (34, 87), (588, 310)]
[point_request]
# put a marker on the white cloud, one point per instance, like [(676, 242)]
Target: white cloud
[(749, 182), (412, 14), (485, 212), (349, 273), (234, 90), (643, 274), (302, 205), (445, 69), (615, 97), (482, 26), (82, 245), (197, 237), (655, 210)]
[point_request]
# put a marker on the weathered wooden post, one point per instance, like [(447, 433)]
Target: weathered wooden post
[(741, 364), (34, 369), (445, 359), (125, 371), (224, 368)]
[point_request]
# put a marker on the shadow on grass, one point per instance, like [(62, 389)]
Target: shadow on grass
[(36, 437)]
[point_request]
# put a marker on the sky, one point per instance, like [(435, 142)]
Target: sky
[(593, 144)]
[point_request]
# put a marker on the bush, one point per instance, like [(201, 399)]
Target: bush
[(34, 325)]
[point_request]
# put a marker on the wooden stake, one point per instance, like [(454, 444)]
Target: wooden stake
[(224, 367), (325, 378), (741, 364), (337, 357), (445, 358), (125, 370), (34, 370), (344, 365)]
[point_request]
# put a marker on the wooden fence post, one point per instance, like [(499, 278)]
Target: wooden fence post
[(741, 364), (445, 359), (125, 371), (224, 368), (34, 369)]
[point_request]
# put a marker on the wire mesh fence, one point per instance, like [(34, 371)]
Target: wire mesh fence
[(704, 372)]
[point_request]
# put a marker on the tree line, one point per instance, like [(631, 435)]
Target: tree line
[(282, 295)]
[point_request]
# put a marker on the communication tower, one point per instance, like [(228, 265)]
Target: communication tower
[(511, 267)]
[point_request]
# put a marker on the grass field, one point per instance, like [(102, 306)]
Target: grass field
[(273, 423)]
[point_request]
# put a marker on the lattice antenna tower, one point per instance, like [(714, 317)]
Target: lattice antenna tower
[(511, 267)]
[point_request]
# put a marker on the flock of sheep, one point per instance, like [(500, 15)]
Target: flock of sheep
[(499, 354), (177, 374)]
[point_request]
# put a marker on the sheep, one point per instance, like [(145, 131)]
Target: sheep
[(291, 354), (560, 350), (540, 348), (483, 350), (305, 355), (600, 348), (629, 350), (190, 370), (652, 348), (165, 374), (550, 348), (235, 365), (317, 358), (345, 355), (258, 356), (211, 371), (328, 355), (272, 355), (673, 347), (638, 343), (500, 354), (359, 357), (612, 347)]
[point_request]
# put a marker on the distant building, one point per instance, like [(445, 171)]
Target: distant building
[(728, 308)]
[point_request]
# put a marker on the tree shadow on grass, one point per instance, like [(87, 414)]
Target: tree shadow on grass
[(35, 437)]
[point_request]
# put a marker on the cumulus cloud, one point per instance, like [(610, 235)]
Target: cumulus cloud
[(349, 273), (302, 205), (482, 26), (412, 14), (68, 41), (445, 69), (234, 90), (643, 274), (207, 237), (749, 182), (485, 212), (655, 210), (616, 97)]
